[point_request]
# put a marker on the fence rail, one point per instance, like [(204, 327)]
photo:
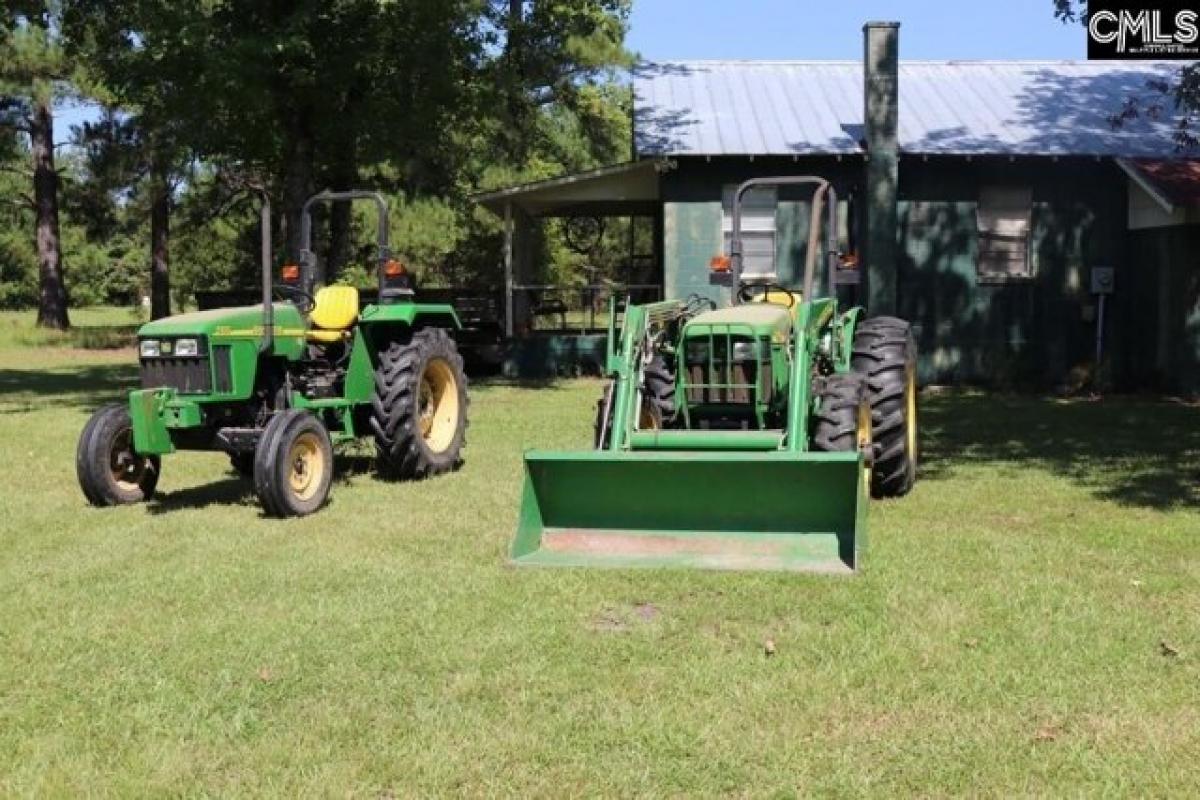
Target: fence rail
[(579, 309)]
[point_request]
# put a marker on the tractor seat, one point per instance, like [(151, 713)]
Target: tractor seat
[(335, 311)]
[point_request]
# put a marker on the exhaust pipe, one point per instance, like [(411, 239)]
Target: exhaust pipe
[(268, 283)]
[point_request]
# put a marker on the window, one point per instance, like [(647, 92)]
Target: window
[(758, 229), (1003, 222)]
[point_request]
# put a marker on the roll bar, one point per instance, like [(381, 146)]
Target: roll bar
[(824, 198), (308, 261)]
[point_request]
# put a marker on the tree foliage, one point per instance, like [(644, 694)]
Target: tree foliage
[(1177, 96), (426, 100)]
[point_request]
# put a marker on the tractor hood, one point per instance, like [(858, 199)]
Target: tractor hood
[(228, 323), (763, 319)]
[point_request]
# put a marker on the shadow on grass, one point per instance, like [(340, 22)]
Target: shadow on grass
[(234, 490), (82, 387), (1132, 451), (226, 492)]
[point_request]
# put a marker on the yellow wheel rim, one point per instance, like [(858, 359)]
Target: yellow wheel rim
[(126, 466), (307, 466), (910, 414), (438, 405), (647, 419), (863, 435)]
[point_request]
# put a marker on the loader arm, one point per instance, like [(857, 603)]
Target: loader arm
[(641, 322)]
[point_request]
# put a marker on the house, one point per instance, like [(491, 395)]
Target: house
[(992, 203)]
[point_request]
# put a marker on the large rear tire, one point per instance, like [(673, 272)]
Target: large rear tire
[(842, 423), (419, 407), (885, 354), (110, 472), (293, 464)]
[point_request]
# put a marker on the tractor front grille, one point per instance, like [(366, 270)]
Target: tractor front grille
[(224, 370), (186, 375), (716, 377)]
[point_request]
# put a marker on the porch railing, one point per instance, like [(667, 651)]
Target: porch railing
[(573, 309)]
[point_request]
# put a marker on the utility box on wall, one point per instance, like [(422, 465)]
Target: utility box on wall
[(1103, 280)]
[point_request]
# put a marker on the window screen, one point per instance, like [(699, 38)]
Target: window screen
[(758, 229), (1003, 220)]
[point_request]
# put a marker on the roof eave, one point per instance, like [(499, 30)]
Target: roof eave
[(1138, 177)]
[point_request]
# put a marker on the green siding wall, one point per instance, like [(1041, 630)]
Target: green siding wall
[(691, 237), (1037, 332), (1164, 292)]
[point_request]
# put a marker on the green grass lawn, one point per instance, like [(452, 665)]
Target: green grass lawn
[(95, 328), (1028, 622)]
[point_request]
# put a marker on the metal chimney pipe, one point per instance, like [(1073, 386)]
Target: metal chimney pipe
[(881, 100)]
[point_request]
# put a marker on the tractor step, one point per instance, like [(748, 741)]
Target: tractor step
[(238, 440)]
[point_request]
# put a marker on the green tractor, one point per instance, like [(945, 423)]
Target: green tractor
[(277, 385), (745, 437)]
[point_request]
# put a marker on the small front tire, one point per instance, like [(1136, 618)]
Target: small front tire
[(842, 422), (658, 403), (293, 464), (110, 472)]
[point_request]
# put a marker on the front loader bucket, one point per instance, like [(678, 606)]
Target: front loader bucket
[(803, 512)]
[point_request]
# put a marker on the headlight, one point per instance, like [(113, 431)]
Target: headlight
[(149, 348), (744, 351), (186, 347), (697, 350)]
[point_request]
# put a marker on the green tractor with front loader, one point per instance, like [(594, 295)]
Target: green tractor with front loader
[(278, 385), (744, 437)]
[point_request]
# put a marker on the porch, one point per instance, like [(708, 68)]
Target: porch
[(610, 220)]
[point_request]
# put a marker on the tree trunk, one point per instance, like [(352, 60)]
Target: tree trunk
[(514, 80), (160, 237), (341, 216), (52, 300), (339, 239), (298, 184)]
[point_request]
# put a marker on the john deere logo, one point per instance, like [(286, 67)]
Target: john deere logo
[(1141, 30)]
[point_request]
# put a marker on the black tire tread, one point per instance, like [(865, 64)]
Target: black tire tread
[(884, 351), (268, 483), (91, 460), (835, 423), (264, 458), (658, 389)]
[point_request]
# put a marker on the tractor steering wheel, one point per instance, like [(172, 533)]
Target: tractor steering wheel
[(749, 292), (304, 301)]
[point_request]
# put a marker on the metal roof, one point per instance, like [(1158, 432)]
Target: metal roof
[(946, 107)]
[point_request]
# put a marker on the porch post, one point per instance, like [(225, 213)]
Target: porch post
[(508, 270)]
